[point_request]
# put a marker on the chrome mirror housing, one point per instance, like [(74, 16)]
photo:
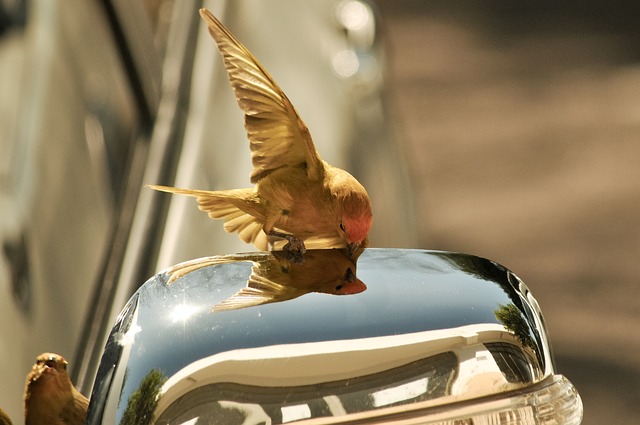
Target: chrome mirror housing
[(429, 337)]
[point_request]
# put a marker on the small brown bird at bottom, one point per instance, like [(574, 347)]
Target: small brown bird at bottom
[(49, 396), (4, 418)]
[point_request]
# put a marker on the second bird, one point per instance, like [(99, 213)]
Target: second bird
[(297, 196)]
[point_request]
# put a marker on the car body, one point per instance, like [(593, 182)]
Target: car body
[(436, 337), (101, 97)]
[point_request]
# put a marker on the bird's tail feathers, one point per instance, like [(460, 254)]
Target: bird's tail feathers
[(239, 208), (189, 192)]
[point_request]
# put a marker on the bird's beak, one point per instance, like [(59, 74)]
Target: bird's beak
[(352, 249), (353, 285)]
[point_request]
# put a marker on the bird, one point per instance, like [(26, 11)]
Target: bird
[(298, 197), (4, 418), (275, 278), (49, 396)]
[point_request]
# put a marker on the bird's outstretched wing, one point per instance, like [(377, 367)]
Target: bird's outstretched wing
[(277, 135), (259, 290)]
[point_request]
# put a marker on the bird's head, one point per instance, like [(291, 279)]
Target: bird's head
[(355, 224), (354, 209), (49, 393), (350, 284), (355, 231), (49, 373)]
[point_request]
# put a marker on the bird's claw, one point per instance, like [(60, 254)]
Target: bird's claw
[(294, 247), (294, 256)]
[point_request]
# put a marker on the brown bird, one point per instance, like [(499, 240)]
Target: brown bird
[(275, 278), (297, 196), (4, 418), (49, 396)]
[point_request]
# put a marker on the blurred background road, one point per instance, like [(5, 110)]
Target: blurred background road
[(522, 123)]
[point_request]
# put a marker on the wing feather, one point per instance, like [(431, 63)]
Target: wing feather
[(277, 135), (259, 290)]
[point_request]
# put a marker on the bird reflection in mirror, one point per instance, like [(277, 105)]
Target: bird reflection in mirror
[(275, 277), (298, 198)]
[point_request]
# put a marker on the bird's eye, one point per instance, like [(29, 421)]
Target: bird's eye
[(344, 229), (339, 287)]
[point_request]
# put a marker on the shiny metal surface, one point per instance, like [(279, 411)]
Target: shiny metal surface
[(431, 327)]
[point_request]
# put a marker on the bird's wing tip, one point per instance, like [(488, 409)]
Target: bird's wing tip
[(207, 15), (158, 187)]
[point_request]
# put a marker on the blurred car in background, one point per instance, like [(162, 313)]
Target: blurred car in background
[(100, 97), (435, 338)]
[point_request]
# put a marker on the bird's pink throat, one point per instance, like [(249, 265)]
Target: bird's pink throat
[(358, 229)]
